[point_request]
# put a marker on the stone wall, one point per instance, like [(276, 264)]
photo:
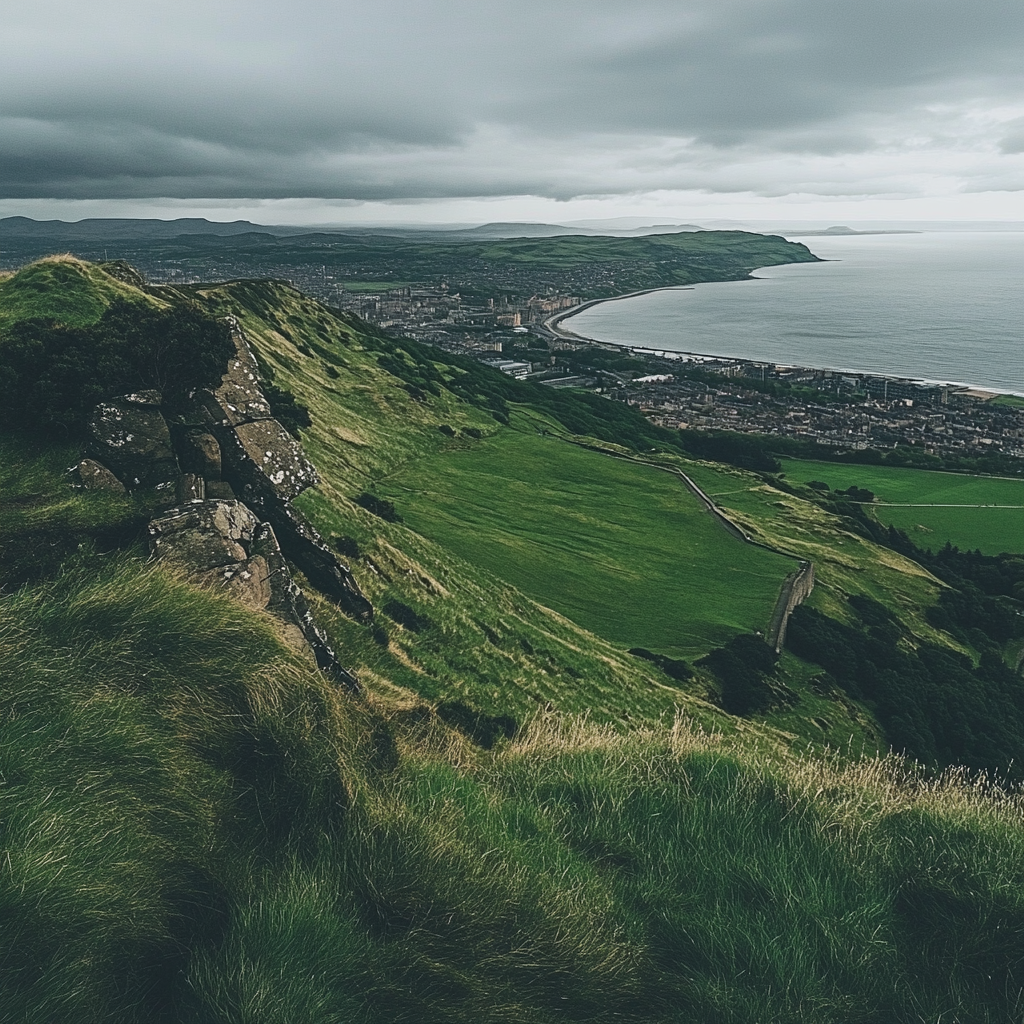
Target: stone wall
[(795, 590)]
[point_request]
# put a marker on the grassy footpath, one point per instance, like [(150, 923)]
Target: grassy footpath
[(992, 530), (624, 550)]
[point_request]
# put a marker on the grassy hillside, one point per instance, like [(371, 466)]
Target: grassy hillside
[(375, 431), (199, 828), (65, 289), (622, 549), (933, 507)]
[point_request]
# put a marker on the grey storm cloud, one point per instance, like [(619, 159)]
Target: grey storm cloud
[(419, 99)]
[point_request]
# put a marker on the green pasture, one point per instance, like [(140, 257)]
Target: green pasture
[(844, 562), (622, 549), (922, 493), (1013, 401)]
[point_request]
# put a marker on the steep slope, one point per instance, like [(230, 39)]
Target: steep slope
[(198, 826)]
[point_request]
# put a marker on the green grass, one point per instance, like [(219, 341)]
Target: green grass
[(375, 286), (991, 530), (142, 723), (197, 827), (43, 521), (844, 562), (1014, 401), (65, 289), (622, 549)]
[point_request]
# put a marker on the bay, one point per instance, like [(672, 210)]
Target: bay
[(937, 306)]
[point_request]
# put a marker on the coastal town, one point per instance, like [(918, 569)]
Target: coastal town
[(849, 411), (511, 316), (523, 338)]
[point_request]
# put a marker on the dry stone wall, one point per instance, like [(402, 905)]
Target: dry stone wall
[(795, 590)]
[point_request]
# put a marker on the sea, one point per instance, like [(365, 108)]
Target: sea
[(943, 306)]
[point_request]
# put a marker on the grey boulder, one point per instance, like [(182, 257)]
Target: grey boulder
[(130, 435)]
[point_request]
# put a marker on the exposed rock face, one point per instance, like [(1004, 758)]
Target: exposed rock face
[(288, 602), (267, 469), (264, 458), (204, 534), (90, 475), (234, 471), (130, 436), (239, 398), (248, 581), (302, 543)]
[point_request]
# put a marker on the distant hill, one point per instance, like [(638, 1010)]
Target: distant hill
[(139, 229), (128, 228), (515, 230)]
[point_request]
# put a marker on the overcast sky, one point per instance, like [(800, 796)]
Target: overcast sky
[(318, 111)]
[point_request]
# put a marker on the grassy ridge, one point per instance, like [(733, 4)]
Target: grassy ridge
[(199, 828), (622, 549), (65, 289), (992, 530), (260, 848), (483, 642)]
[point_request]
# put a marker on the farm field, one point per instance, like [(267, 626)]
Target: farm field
[(992, 530), (622, 549)]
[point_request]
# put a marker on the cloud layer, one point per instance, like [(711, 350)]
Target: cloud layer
[(407, 99)]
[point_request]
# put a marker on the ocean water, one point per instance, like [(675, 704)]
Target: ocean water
[(939, 306)]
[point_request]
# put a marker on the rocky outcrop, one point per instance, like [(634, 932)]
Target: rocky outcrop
[(204, 534), (289, 604), (264, 460), (130, 436), (239, 398), (92, 476), (267, 468), (231, 470), (222, 544)]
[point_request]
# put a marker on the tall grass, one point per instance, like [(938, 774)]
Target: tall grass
[(197, 828)]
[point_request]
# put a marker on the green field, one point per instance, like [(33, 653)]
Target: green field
[(990, 529), (1014, 401), (623, 550)]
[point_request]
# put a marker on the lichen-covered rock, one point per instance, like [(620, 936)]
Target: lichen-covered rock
[(130, 435), (289, 604), (263, 454), (93, 476), (204, 534), (239, 398), (248, 581)]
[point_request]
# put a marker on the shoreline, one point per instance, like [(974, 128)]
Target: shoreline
[(552, 326)]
